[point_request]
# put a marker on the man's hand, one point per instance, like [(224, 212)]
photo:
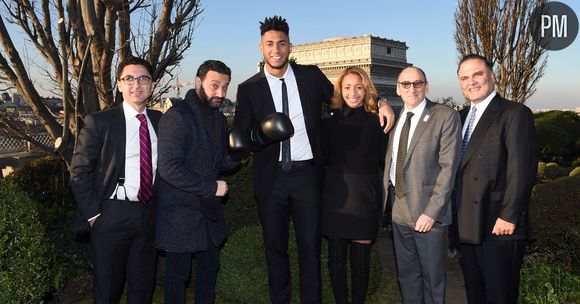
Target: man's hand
[(385, 111), (424, 223), (502, 227), (222, 188)]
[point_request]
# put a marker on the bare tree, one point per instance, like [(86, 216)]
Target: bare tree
[(450, 101), (79, 41), (500, 30)]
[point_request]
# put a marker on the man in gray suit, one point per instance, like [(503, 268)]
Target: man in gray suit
[(419, 175)]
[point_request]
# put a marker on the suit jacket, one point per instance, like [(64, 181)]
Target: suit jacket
[(191, 157), (254, 102), (99, 160), (431, 162), (497, 172)]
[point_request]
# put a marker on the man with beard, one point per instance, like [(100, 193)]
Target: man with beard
[(192, 153)]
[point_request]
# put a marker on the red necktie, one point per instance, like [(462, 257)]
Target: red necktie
[(146, 169)]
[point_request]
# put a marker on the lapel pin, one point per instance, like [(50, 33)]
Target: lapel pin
[(426, 118)]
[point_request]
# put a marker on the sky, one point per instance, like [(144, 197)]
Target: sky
[(228, 30)]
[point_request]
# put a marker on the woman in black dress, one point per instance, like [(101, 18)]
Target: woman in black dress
[(355, 148)]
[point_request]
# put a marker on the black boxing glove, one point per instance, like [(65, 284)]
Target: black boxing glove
[(275, 127), (238, 140)]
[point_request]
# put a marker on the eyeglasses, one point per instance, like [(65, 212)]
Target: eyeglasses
[(129, 80), (407, 84)]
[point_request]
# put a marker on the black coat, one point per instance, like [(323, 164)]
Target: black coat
[(497, 172), (190, 160)]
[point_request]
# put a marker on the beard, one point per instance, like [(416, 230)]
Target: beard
[(213, 102)]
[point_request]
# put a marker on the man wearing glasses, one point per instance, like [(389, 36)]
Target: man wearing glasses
[(112, 175), (420, 170)]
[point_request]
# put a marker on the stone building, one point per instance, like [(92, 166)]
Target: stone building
[(381, 58)]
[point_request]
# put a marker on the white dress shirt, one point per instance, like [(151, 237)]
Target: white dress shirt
[(132, 153), (299, 144), (480, 109), (417, 112)]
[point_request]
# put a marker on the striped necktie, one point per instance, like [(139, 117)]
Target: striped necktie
[(146, 169), (468, 131)]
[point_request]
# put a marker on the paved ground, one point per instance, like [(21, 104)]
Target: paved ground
[(455, 286)]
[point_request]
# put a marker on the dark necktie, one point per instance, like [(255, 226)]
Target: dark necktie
[(401, 155), (286, 159), (468, 131), (146, 169)]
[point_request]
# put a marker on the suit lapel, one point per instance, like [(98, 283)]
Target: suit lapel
[(263, 88), (154, 119), (119, 134), (389, 155), (421, 126), (488, 117), (303, 93)]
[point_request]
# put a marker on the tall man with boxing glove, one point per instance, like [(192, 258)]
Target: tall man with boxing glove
[(287, 149)]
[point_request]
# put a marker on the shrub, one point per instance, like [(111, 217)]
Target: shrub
[(575, 172), (243, 276), (558, 136), (549, 171), (25, 252), (542, 282), (46, 181), (241, 210), (555, 220)]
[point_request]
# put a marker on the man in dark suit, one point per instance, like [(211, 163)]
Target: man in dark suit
[(493, 186), (286, 180), (112, 174), (420, 168), (192, 153)]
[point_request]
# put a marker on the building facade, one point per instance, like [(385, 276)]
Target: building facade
[(381, 58)]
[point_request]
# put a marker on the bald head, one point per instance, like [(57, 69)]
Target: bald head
[(413, 68), (412, 86)]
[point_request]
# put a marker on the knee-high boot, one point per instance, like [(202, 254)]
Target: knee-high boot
[(337, 269), (360, 258)]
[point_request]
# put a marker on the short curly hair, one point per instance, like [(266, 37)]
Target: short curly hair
[(275, 23)]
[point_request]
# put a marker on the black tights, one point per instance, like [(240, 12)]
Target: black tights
[(359, 269)]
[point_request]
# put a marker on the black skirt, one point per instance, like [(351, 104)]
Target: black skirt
[(351, 205)]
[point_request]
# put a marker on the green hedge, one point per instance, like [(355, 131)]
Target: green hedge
[(243, 276), (555, 222), (46, 181), (26, 254), (548, 172)]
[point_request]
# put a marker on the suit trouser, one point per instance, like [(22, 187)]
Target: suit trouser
[(178, 270), (295, 194), (122, 248), (492, 271), (421, 263)]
